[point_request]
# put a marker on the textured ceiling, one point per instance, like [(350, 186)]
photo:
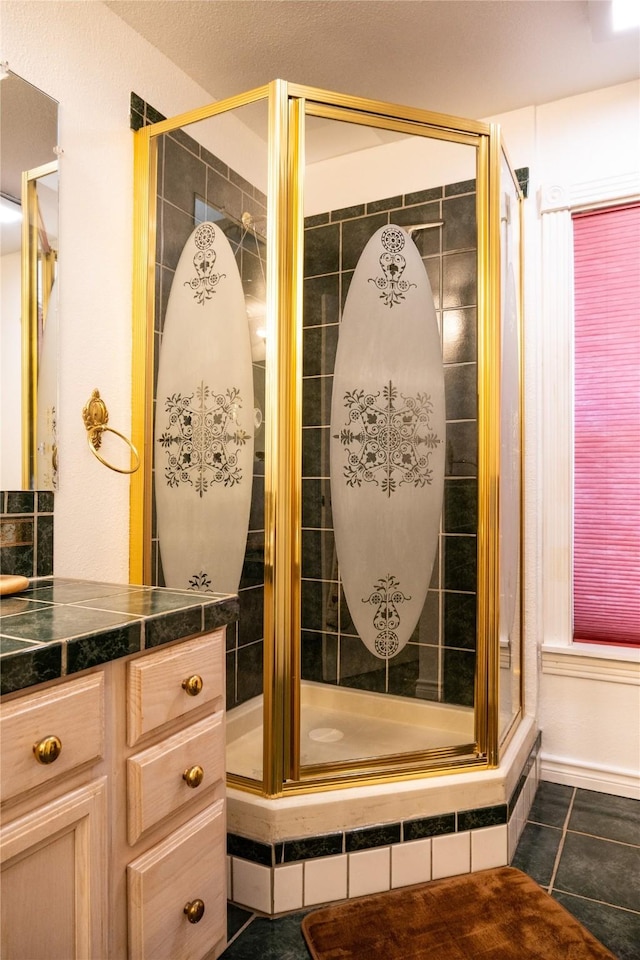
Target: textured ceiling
[(471, 58)]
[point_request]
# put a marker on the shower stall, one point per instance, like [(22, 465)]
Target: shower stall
[(343, 448)]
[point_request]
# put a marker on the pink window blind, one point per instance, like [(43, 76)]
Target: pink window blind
[(606, 539)]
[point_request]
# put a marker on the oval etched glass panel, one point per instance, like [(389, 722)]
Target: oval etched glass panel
[(387, 450), (204, 424)]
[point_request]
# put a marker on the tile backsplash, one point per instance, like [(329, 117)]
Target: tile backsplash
[(26, 533)]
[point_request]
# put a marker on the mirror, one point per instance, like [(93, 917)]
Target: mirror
[(29, 302)]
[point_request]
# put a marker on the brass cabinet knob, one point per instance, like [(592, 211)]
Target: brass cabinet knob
[(194, 911), (47, 750), (193, 776), (192, 685)]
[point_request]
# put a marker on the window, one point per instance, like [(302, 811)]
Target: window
[(606, 515)]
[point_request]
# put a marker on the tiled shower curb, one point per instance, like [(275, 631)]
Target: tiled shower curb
[(273, 878)]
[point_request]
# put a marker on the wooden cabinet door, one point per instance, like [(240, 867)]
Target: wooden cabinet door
[(54, 862), (187, 867)]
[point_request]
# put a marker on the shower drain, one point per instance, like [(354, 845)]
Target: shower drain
[(326, 734)]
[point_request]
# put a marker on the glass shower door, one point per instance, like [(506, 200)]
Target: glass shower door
[(207, 484), (389, 446)]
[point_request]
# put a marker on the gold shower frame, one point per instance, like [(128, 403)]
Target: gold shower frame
[(288, 104)]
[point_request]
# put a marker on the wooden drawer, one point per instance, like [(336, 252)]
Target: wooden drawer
[(73, 712), (155, 688), (188, 865), (155, 781)]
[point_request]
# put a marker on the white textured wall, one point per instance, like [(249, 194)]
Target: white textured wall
[(85, 57), (590, 730), (593, 136), (402, 166)]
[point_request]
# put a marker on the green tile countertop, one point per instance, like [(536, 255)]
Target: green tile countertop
[(57, 627)]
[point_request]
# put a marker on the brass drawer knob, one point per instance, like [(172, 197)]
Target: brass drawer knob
[(192, 685), (47, 750), (194, 911), (193, 776)]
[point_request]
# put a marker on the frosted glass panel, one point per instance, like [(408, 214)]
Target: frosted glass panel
[(204, 425), (387, 442)]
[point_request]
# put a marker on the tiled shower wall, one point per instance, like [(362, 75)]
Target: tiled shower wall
[(438, 663), (192, 182), (26, 533)]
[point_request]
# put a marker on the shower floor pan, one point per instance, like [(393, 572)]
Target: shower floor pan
[(338, 723)]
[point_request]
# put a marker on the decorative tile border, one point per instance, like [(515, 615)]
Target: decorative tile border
[(296, 873)]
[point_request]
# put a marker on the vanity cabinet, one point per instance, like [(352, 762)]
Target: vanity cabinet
[(53, 840), (113, 832)]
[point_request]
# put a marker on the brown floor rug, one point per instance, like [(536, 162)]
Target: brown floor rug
[(500, 914)]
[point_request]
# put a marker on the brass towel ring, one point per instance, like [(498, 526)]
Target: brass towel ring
[(96, 417)]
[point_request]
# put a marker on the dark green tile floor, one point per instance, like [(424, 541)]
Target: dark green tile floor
[(582, 847)]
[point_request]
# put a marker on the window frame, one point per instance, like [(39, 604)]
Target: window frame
[(560, 654)]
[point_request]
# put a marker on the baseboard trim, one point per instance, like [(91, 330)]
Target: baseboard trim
[(619, 783)]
